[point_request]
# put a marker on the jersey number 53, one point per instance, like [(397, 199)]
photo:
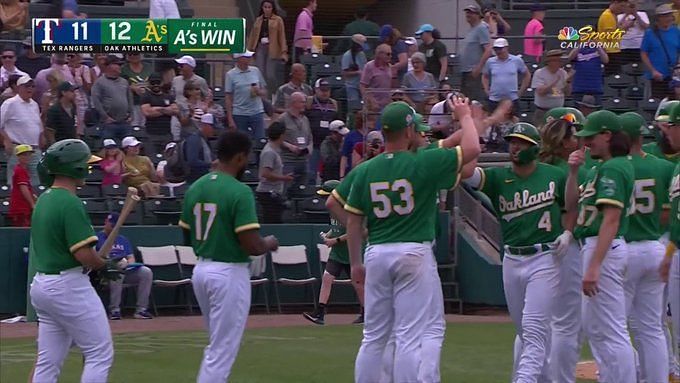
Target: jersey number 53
[(384, 205)]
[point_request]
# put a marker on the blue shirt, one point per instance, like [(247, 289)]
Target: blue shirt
[(662, 59), (199, 157), (360, 60), (121, 247), (503, 77), (238, 84), (588, 68), (473, 47)]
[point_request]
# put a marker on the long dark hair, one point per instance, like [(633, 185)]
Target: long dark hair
[(273, 7)]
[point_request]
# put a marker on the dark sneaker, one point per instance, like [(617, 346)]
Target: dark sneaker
[(143, 315), (359, 320), (314, 317), (115, 315)]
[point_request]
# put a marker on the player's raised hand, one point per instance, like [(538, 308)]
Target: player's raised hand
[(577, 158), (590, 279), (460, 107)]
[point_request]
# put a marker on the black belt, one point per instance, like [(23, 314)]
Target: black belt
[(527, 250)]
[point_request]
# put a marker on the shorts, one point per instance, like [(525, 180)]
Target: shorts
[(335, 268)]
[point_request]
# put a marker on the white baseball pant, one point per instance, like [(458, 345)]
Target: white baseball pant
[(70, 311), (397, 282), (530, 284), (223, 294), (644, 306), (566, 320), (674, 301), (604, 315)]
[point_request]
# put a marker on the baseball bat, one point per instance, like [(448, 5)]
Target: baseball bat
[(131, 200)]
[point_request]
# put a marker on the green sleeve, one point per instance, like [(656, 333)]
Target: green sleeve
[(487, 183), (666, 176), (244, 211), (609, 187), (341, 192), (444, 165), (78, 229), (357, 199)]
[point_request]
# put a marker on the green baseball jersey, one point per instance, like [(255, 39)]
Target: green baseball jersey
[(339, 252), (652, 180), (341, 192), (529, 209), (609, 184), (397, 193), (217, 207), (654, 149), (674, 192), (59, 227)]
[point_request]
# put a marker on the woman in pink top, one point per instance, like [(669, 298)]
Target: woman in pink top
[(533, 47), (112, 164)]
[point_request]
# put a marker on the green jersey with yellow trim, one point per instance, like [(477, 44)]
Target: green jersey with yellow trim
[(59, 227), (397, 193), (652, 180), (674, 192), (609, 184), (529, 209), (339, 252), (654, 149), (217, 207)]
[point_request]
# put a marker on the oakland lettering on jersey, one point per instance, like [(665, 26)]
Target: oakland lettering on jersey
[(524, 202), (675, 187)]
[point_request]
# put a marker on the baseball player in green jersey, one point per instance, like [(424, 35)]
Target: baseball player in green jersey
[(603, 201), (62, 242), (528, 199), (338, 261), (395, 193), (220, 223), (644, 287), (662, 147)]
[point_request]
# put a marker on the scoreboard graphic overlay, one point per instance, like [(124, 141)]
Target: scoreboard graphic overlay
[(171, 36)]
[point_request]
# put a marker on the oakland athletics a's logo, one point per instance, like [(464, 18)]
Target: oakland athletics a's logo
[(153, 31)]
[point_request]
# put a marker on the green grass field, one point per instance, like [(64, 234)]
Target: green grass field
[(473, 353)]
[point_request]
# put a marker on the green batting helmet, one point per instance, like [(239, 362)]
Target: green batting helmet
[(328, 187), (70, 158), (529, 133), (572, 115), (663, 112)]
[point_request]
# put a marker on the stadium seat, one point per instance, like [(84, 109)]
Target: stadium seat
[(452, 59), (89, 191), (114, 191), (4, 192), (40, 189), (97, 209), (140, 133), (300, 192), (619, 105), (174, 192), (336, 81), (313, 210), (156, 158), (187, 261), (314, 59), (250, 176), (635, 92), (167, 272), (164, 211), (325, 70), (324, 253), (290, 267), (619, 81), (135, 216), (4, 207), (633, 69), (649, 105), (95, 175), (259, 144), (259, 280)]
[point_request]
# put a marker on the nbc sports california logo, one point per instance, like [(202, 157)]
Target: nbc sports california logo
[(587, 37)]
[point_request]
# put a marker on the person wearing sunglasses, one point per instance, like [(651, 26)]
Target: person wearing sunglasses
[(8, 68)]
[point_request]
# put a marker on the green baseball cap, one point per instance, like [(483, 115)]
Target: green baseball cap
[(421, 126), (674, 117), (664, 110), (572, 115), (397, 116), (633, 124), (328, 187), (524, 131), (600, 121)]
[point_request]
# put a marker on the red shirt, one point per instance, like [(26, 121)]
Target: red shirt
[(17, 202)]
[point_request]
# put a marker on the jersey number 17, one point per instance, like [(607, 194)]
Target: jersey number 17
[(199, 210)]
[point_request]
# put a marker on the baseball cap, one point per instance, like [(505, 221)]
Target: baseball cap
[(374, 135), (421, 126), (328, 187), (65, 86), (130, 141), (110, 143), (170, 145), (588, 101), (410, 41), (186, 60), (23, 80), (244, 54), (21, 149), (113, 59), (359, 38), (663, 112), (599, 122), (321, 83), (113, 217), (155, 77), (674, 117), (663, 9), (424, 28), (208, 119), (397, 116), (385, 31), (338, 126), (500, 43), (473, 8), (632, 124)]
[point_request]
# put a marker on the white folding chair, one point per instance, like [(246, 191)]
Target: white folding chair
[(167, 271), (290, 267)]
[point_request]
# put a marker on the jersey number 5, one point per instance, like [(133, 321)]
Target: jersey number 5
[(199, 209), (644, 196), (401, 186)]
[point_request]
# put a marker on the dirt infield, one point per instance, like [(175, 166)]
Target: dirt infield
[(586, 370), (195, 323)]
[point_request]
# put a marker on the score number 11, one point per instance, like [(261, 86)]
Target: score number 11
[(119, 30)]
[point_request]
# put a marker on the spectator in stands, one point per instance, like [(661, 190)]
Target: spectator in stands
[(398, 60), (304, 29), (361, 25), (112, 163), (217, 111), (533, 44), (418, 83), (321, 110), (500, 76), (136, 72), (11, 90), (268, 40), (352, 64), (476, 50), (430, 102), (22, 199), (675, 4), (376, 80), (365, 150), (83, 82), (357, 134), (199, 156), (8, 68), (135, 273), (13, 19), (191, 108), (112, 98), (165, 178), (31, 62), (70, 10), (298, 76), (659, 51), (607, 23), (587, 64), (435, 52), (163, 9), (244, 88), (139, 171), (270, 189), (99, 66), (440, 118), (330, 151), (411, 48), (58, 61), (20, 124), (498, 27), (494, 137), (187, 65), (298, 143), (588, 104), (51, 95), (635, 23), (158, 107), (60, 121), (550, 84)]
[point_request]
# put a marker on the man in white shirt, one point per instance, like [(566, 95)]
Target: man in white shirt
[(440, 119), (163, 9), (551, 83), (20, 124), (8, 58)]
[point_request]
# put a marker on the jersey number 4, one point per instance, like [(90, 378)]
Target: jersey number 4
[(199, 210), (385, 207)]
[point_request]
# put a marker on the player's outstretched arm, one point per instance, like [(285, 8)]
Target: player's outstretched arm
[(469, 143), (88, 257), (254, 244)]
